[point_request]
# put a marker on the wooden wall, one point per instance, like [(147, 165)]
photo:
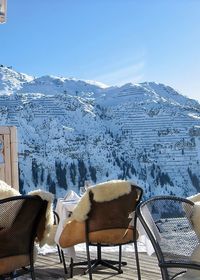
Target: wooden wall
[(9, 156)]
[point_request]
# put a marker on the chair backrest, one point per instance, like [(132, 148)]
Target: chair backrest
[(167, 221), (19, 220), (115, 213)]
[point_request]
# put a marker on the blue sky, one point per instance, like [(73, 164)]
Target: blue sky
[(111, 41)]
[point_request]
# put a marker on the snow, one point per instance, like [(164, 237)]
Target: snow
[(70, 131), (194, 116), (99, 84)]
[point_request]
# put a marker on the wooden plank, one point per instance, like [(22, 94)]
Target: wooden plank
[(6, 152), (2, 160), (1, 149), (4, 130), (9, 171), (14, 158), (2, 172), (49, 267)]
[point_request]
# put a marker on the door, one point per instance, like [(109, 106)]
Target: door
[(8, 156)]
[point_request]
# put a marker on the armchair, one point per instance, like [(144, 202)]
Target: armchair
[(106, 222), (20, 223), (169, 223)]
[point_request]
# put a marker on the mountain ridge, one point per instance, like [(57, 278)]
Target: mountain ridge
[(71, 131)]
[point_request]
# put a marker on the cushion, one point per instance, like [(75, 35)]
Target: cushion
[(9, 264), (74, 233)]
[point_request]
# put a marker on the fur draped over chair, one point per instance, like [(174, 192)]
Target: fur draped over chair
[(45, 228), (74, 230), (194, 218)]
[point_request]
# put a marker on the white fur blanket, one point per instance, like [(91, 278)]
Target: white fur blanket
[(7, 191), (47, 235), (192, 274), (102, 192), (195, 218)]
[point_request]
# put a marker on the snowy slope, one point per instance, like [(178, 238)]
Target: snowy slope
[(71, 131), (56, 85), (11, 80)]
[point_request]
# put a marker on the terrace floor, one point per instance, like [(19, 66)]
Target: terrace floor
[(48, 267)]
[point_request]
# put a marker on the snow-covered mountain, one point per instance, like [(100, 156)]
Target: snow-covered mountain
[(70, 131), (11, 80)]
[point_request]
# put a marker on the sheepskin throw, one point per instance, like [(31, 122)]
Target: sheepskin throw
[(7, 191), (196, 213), (193, 274), (47, 235), (102, 192)]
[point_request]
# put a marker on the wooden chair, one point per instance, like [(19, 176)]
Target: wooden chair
[(168, 223), (20, 219)]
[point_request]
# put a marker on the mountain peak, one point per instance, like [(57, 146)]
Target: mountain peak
[(11, 81), (168, 94)]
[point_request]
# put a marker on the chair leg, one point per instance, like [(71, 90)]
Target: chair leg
[(120, 259), (137, 260), (92, 264), (33, 274), (115, 265), (71, 268), (59, 253), (89, 261), (63, 261), (32, 271)]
